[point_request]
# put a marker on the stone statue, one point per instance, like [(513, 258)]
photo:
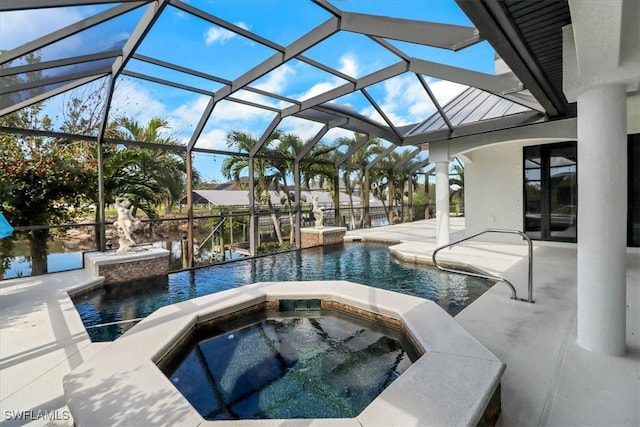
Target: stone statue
[(318, 212), (125, 225)]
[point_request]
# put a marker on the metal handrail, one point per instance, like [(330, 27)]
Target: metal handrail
[(514, 294)]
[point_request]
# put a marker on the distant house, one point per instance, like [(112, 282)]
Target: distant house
[(242, 184)]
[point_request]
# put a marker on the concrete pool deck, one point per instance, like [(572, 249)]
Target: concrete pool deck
[(549, 379)]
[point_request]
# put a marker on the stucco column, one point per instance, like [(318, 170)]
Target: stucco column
[(602, 218), (442, 202)]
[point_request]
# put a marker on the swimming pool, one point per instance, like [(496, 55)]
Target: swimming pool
[(104, 310)]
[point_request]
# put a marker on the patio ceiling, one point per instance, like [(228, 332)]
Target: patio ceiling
[(158, 45)]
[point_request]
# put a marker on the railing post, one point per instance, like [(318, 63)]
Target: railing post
[(530, 287), (491, 277)]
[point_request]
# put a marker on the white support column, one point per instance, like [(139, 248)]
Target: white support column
[(442, 202), (599, 68), (602, 218)]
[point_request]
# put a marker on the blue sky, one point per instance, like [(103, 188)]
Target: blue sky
[(183, 39)]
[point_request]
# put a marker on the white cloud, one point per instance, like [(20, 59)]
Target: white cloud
[(336, 133), (142, 104), (136, 101), (226, 116), (394, 88), (400, 95), (214, 139), (371, 113), (405, 101), (116, 39), (183, 119), (277, 79), (20, 27), (233, 112), (445, 91), (139, 102), (230, 115), (349, 65), (319, 88), (215, 34), (305, 129), (222, 35), (275, 82)]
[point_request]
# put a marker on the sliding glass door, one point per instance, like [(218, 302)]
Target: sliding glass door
[(551, 192)]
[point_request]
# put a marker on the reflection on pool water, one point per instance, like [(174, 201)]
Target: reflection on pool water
[(365, 263), (269, 366)]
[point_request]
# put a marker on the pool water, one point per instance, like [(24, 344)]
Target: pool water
[(325, 366), (365, 263)]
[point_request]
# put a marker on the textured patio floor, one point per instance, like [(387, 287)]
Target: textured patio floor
[(549, 379)]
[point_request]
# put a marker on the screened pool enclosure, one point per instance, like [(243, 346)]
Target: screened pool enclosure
[(158, 100)]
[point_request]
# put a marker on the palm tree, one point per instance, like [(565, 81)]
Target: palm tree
[(166, 169), (288, 148), (284, 161), (322, 172), (147, 176), (378, 184), (266, 175), (357, 163), (457, 182), (393, 183)]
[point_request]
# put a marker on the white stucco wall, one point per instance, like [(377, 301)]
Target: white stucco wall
[(494, 172), (493, 187)]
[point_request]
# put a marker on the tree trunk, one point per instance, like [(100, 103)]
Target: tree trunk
[(366, 215), (335, 198), (276, 223), (167, 204), (39, 251), (97, 230), (292, 224), (384, 208), (337, 220), (390, 190), (222, 244), (352, 218), (410, 199), (426, 197)]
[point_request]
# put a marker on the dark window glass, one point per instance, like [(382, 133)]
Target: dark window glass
[(633, 189), (563, 192), (551, 192), (532, 192)]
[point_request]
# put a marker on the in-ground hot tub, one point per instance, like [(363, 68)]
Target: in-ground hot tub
[(455, 381), (307, 358)]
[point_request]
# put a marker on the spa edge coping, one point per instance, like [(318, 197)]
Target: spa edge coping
[(451, 384)]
